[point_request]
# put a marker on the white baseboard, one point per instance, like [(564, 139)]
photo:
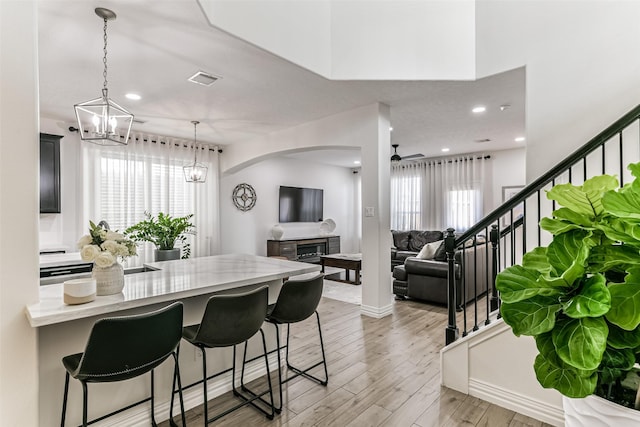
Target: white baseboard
[(193, 397), (516, 402), (376, 312)]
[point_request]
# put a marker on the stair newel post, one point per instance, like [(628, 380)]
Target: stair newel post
[(493, 236), (451, 333)]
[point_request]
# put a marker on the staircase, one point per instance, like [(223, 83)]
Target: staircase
[(482, 357)]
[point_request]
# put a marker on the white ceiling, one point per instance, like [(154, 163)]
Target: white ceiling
[(154, 46)]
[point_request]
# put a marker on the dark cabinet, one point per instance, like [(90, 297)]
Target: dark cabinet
[(49, 173), (305, 250)]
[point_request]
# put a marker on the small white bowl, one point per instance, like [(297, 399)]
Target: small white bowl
[(79, 291)]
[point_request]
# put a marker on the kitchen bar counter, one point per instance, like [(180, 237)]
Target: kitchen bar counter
[(168, 281), (64, 329)]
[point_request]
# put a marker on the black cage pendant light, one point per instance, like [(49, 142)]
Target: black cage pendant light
[(101, 120), (195, 172)]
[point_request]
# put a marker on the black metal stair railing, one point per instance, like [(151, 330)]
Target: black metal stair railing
[(503, 236)]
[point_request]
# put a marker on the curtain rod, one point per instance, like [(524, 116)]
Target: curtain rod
[(439, 162), (215, 148)]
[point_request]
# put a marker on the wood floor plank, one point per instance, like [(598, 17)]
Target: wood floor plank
[(382, 372)]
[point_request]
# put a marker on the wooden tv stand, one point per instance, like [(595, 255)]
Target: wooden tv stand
[(308, 249)]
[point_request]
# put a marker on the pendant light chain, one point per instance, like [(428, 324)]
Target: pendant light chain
[(104, 58), (195, 144)]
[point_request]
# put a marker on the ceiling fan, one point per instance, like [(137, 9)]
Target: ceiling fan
[(395, 158)]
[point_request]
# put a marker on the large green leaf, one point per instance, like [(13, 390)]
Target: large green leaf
[(536, 260), (533, 316), (619, 338), (565, 379), (573, 217), (585, 199), (592, 300), (624, 203), (557, 226), (604, 258), (517, 283), (625, 302), (623, 230), (568, 255), (615, 364), (581, 342)]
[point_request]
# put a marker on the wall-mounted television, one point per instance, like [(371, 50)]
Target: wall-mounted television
[(300, 204)]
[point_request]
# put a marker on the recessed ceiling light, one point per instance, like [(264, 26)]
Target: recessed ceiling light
[(444, 150), (133, 96), (390, 128), (356, 162), (479, 109), (204, 79), (519, 139), (504, 107)]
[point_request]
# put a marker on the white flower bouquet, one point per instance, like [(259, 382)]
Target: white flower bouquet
[(103, 247)]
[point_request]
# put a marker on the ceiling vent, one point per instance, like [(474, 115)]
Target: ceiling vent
[(202, 78), (483, 140), (140, 122)]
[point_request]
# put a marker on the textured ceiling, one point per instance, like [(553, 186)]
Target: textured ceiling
[(154, 46)]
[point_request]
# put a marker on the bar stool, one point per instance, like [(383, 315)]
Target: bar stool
[(120, 348), (297, 301), (229, 320)]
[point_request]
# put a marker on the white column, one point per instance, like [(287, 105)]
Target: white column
[(376, 234), (19, 149)]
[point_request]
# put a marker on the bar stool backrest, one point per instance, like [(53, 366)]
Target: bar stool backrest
[(298, 299), (124, 347), (232, 319)]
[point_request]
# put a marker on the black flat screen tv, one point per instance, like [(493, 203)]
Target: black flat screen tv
[(300, 204)]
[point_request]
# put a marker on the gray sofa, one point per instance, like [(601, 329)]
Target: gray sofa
[(426, 280), (408, 243)]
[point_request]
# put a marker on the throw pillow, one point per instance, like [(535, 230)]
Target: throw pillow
[(441, 254), (428, 251)]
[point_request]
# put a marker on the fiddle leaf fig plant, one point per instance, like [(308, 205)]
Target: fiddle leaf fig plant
[(579, 297), (163, 232)]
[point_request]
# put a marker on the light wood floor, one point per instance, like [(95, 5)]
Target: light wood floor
[(382, 372)]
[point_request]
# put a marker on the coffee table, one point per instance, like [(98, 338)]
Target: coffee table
[(346, 261)]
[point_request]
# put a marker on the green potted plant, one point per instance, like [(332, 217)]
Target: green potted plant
[(579, 297), (164, 232)]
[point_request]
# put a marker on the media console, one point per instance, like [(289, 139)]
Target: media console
[(308, 249)]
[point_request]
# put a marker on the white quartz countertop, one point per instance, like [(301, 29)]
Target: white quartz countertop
[(170, 281)]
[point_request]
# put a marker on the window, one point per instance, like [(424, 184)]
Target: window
[(121, 184), (464, 207)]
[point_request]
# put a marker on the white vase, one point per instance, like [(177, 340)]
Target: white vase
[(327, 226), (109, 280), (594, 411), (277, 232)]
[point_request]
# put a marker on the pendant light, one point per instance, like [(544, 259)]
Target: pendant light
[(395, 158), (195, 172), (101, 120)]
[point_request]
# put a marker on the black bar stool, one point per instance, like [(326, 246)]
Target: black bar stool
[(120, 348), (297, 301), (229, 320)]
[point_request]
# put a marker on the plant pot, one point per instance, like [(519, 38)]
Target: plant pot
[(166, 254), (109, 280), (594, 411)]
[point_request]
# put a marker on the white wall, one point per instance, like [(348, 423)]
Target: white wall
[(19, 150), (384, 39), (64, 229), (582, 70), (508, 169), (248, 232)]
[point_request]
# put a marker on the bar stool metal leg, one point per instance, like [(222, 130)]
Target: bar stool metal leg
[(304, 372), (64, 400), (176, 376), (270, 403)]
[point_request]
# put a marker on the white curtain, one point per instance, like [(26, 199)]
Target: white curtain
[(438, 194), (121, 183)]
